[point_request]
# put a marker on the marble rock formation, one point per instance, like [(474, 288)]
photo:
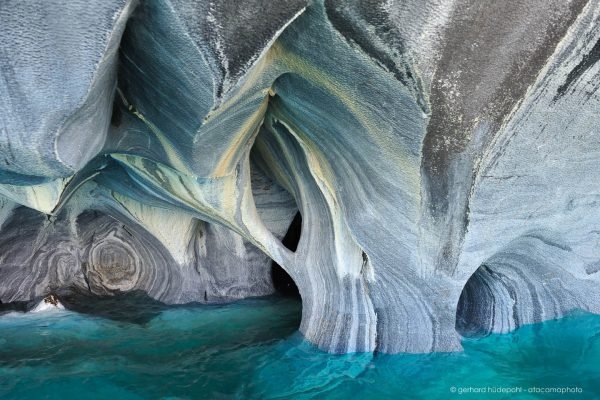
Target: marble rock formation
[(443, 155)]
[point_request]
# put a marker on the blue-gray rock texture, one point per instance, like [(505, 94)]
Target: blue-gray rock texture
[(443, 154)]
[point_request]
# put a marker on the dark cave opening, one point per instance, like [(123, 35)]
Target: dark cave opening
[(474, 305), (270, 193), (283, 283), (486, 303)]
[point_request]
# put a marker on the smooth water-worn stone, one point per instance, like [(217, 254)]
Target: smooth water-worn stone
[(441, 155), (59, 66)]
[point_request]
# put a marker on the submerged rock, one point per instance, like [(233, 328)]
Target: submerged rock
[(441, 154)]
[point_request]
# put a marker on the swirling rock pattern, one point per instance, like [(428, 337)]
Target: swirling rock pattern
[(442, 154), (106, 244)]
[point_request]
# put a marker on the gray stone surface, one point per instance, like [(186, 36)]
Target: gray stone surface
[(442, 153)]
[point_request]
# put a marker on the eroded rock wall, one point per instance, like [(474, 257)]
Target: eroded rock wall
[(442, 155)]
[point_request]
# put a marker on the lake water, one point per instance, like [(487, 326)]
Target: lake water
[(251, 350)]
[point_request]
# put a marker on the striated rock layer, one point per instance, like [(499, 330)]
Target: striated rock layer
[(441, 154)]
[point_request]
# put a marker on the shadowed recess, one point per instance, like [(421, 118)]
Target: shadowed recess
[(282, 282), (477, 303), (134, 306)]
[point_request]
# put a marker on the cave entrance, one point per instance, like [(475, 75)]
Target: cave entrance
[(283, 283), (484, 305)]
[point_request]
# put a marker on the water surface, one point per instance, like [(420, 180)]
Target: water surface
[(251, 350)]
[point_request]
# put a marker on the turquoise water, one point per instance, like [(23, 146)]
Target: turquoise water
[(250, 350)]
